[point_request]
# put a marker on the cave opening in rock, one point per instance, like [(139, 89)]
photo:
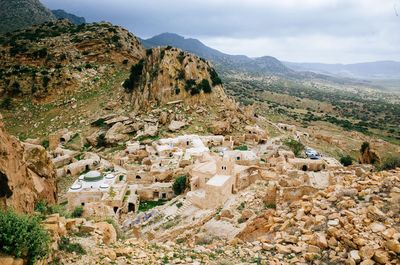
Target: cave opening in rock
[(5, 190)]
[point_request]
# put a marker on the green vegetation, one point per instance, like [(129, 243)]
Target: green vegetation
[(46, 144), (99, 123), (242, 148), (6, 103), (23, 236), (365, 146), (295, 146), (77, 212), (145, 138), (179, 185), (101, 140), (390, 162), (181, 57), (346, 160), (66, 245), (215, 80), (144, 206), (194, 89), (136, 72), (205, 86)]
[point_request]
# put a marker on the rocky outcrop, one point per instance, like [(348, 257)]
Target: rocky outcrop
[(369, 156), (27, 175), (168, 74)]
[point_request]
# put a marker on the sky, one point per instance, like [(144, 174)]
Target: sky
[(326, 31)]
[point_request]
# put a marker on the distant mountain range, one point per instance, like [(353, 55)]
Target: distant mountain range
[(370, 70), (225, 62), (270, 65), (61, 14), (20, 14)]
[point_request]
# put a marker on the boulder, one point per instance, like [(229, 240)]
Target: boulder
[(176, 125), (220, 128), (117, 134), (108, 232)]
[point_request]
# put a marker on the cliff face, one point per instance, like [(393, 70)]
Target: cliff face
[(27, 175), (19, 14), (169, 74)]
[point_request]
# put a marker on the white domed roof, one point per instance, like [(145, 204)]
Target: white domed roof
[(76, 186)]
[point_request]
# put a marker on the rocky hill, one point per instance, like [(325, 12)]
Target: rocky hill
[(20, 14), (62, 14), (27, 175), (98, 70), (57, 57)]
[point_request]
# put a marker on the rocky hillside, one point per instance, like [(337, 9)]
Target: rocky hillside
[(20, 14), (27, 175), (58, 57)]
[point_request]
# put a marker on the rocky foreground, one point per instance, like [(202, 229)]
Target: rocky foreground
[(356, 221)]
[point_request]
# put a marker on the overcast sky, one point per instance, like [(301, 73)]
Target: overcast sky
[(330, 31)]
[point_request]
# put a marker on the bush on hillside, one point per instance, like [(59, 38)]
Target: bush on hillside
[(215, 80), (180, 185), (295, 146), (389, 163), (346, 160), (22, 236), (6, 103), (134, 77)]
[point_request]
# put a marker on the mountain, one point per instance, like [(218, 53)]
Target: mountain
[(20, 14), (369, 70), (61, 14), (224, 62)]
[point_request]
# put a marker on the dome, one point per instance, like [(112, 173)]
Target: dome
[(110, 176), (104, 186), (93, 176), (76, 186)]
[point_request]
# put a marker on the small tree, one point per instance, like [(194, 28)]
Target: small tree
[(346, 160), (294, 145), (101, 141), (180, 185), (364, 146)]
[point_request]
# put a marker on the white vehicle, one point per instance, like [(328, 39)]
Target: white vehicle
[(311, 153)]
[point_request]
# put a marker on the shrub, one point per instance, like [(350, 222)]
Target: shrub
[(179, 185), (101, 141), (66, 245), (15, 89), (346, 160), (23, 236), (181, 75), (364, 146), (177, 90), (77, 212), (194, 91), (190, 84), (6, 103), (215, 80), (294, 145), (99, 122), (181, 57), (46, 144), (205, 86), (46, 81), (149, 52), (134, 77), (390, 162)]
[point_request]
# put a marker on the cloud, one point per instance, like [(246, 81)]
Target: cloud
[(300, 30)]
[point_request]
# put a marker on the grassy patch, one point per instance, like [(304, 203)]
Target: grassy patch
[(144, 206)]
